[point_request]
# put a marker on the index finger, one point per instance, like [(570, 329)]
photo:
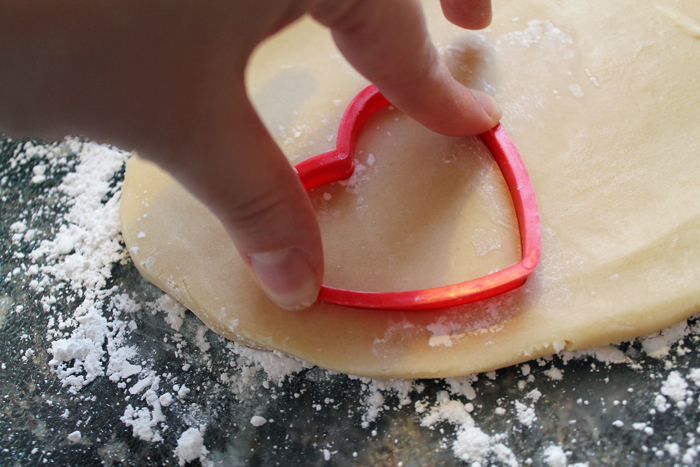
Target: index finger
[(468, 14), (388, 42)]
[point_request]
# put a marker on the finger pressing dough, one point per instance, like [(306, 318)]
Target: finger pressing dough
[(602, 99)]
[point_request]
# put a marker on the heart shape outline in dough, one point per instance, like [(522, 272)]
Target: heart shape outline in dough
[(339, 164)]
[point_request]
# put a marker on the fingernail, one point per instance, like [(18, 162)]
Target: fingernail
[(287, 277), (489, 105)]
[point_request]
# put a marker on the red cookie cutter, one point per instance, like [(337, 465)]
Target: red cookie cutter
[(340, 164)]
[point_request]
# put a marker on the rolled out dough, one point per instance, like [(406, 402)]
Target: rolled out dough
[(603, 101)]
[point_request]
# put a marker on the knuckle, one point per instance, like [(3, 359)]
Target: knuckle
[(255, 210)]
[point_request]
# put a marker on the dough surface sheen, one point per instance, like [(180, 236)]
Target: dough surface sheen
[(602, 100)]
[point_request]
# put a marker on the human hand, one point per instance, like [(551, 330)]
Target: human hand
[(166, 78)]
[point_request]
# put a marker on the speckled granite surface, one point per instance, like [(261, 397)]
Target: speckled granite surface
[(313, 417)]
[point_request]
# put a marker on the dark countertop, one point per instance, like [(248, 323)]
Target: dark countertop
[(309, 411)]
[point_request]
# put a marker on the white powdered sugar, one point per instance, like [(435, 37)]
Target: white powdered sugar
[(554, 456), (675, 387), (526, 414), (87, 243), (659, 345), (257, 420), (94, 338), (471, 444), (174, 312), (694, 376), (92, 341), (79, 358), (80, 256), (190, 446)]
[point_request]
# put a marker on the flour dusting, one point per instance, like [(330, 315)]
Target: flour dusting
[(94, 335)]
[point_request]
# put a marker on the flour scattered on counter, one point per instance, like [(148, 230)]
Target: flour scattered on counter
[(175, 312), (76, 263), (471, 444), (675, 387), (93, 332), (526, 414), (80, 258), (659, 344), (555, 374), (694, 376), (554, 456), (257, 420), (608, 355), (87, 242), (190, 446)]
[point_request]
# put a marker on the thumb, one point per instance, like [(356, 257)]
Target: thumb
[(239, 172)]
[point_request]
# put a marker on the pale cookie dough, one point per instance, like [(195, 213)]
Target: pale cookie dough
[(603, 101)]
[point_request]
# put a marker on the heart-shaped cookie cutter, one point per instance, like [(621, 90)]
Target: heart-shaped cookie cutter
[(338, 165)]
